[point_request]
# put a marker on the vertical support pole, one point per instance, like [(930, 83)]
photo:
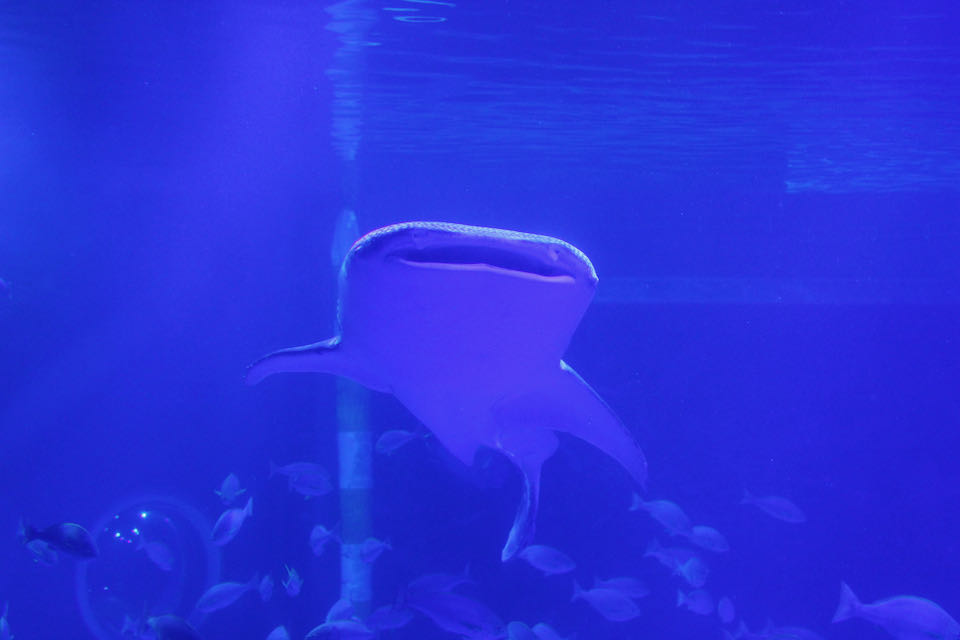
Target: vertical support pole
[(350, 20), (356, 484)]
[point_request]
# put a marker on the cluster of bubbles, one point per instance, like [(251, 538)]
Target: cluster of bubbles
[(155, 554)]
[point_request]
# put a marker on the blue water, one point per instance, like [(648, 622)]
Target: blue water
[(767, 190)]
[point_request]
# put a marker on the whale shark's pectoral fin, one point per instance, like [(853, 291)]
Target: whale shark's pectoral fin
[(561, 402), (322, 357), (528, 448), (585, 415)]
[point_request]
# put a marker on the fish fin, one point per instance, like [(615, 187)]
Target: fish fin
[(848, 606), (321, 357), (586, 416), (652, 547), (528, 448), (564, 403), (577, 590), (336, 532), (248, 510)]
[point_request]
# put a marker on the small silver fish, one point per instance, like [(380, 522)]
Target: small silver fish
[(609, 603), (230, 489), (170, 627), (388, 617), (43, 553), (546, 632), (670, 557), (342, 609), (904, 617), (547, 559), (725, 610), (292, 582), (279, 633), (708, 538), (669, 514), (229, 523), (390, 441), (744, 633), (438, 582), (456, 613), (682, 562), (775, 507), (320, 536), (158, 553), (340, 630), (5, 633), (372, 548), (630, 587), (266, 587), (132, 627), (697, 601), (224, 594), (694, 571), (306, 478), (517, 630), (791, 633)]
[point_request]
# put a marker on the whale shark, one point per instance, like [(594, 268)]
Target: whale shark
[(467, 326)]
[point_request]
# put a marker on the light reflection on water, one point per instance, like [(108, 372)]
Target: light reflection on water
[(672, 93)]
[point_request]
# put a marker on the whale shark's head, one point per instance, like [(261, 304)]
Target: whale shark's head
[(441, 244)]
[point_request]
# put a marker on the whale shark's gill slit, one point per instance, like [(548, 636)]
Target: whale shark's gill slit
[(472, 255)]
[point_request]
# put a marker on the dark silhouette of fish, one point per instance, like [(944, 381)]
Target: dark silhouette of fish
[(776, 507), (466, 326), (171, 627), (67, 537)]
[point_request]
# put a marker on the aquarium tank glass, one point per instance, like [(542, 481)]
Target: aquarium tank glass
[(463, 320)]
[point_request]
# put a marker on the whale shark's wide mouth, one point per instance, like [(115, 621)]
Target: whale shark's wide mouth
[(452, 246), (467, 254)]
